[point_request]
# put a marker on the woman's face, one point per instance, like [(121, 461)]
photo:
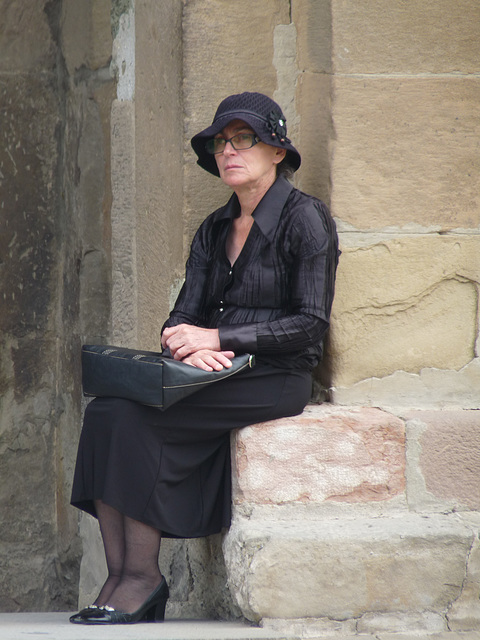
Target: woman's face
[(250, 168)]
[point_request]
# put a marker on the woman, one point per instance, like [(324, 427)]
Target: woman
[(259, 279)]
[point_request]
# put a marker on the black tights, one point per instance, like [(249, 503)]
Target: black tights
[(131, 551)]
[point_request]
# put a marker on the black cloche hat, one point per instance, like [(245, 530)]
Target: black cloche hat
[(261, 113)]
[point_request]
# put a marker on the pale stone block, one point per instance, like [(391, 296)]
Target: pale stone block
[(393, 36), (342, 569), (429, 389), (327, 453), (424, 622), (315, 132), (449, 455), (405, 304), (159, 135), (406, 152), (313, 21)]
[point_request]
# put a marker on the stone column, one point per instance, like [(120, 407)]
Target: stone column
[(54, 280)]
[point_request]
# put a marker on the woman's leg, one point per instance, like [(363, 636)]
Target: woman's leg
[(112, 528), (140, 574)]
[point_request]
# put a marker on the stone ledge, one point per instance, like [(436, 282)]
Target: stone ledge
[(404, 565)]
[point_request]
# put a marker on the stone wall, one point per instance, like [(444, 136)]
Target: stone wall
[(405, 169), (54, 271), (353, 520)]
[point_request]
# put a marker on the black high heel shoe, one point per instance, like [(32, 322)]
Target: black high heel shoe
[(152, 610), (77, 617)]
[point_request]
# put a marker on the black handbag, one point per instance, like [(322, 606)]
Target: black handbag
[(146, 376)]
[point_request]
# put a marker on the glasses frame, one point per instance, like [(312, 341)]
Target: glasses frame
[(255, 140)]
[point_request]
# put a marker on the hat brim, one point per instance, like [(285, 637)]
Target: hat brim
[(207, 161)]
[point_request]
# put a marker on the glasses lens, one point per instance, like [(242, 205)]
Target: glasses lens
[(243, 141), (215, 145)]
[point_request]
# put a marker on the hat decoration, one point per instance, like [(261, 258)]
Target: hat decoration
[(277, 125)]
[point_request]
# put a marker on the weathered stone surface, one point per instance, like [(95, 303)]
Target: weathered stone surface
[(464, 614), (314, 628), (448, 457), (159, 129), (313, 21), (327, 453), (25, 36), (346, 568), (406, 152), (195, 571), (29, 248), (408, 38), (405, 304), (426, 622), (313, 100), (43, 273), (124, 268), (430, 389), (86, 34)]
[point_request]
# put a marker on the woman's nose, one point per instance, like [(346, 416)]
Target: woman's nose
[(229, 149)]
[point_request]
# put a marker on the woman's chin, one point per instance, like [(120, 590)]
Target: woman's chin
[(234, 178)]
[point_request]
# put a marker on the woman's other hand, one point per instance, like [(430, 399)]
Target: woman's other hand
[(186, 339), (210, 360)]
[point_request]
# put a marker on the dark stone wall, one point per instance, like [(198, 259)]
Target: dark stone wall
[(54, 290)]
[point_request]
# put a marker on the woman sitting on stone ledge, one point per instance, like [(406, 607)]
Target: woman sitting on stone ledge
[(259, 279)]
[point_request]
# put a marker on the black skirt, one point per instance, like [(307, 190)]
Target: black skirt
[(171, 469)]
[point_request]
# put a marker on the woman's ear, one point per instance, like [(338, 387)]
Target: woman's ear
[(279, 155)]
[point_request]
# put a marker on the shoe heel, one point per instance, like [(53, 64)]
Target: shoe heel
[(157, 612)]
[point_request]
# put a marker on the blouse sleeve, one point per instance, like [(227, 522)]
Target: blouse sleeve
[(189, 306), (315, 249)]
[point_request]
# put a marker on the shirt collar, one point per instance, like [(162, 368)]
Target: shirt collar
[(268, 210)]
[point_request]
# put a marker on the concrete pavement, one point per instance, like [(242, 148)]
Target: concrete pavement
[(55, 626)]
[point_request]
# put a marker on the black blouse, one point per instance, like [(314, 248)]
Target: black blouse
[(275, 301)]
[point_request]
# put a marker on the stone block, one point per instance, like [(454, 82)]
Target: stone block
[(464, 614), (405, 152), (344, 568), (445, 448), (26, 40), (405, 37), (86, 34), (405, 304), (429, 389), (315, 131), (313, 21), (325, 454), (425, 622), (159, 131)]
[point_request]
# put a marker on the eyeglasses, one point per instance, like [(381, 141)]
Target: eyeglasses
[(239, 142)]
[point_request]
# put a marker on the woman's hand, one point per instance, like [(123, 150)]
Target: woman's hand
[(209, 360), (186, 339)]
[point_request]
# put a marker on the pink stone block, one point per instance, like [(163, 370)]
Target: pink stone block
[(449, 457), (327, 453)]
